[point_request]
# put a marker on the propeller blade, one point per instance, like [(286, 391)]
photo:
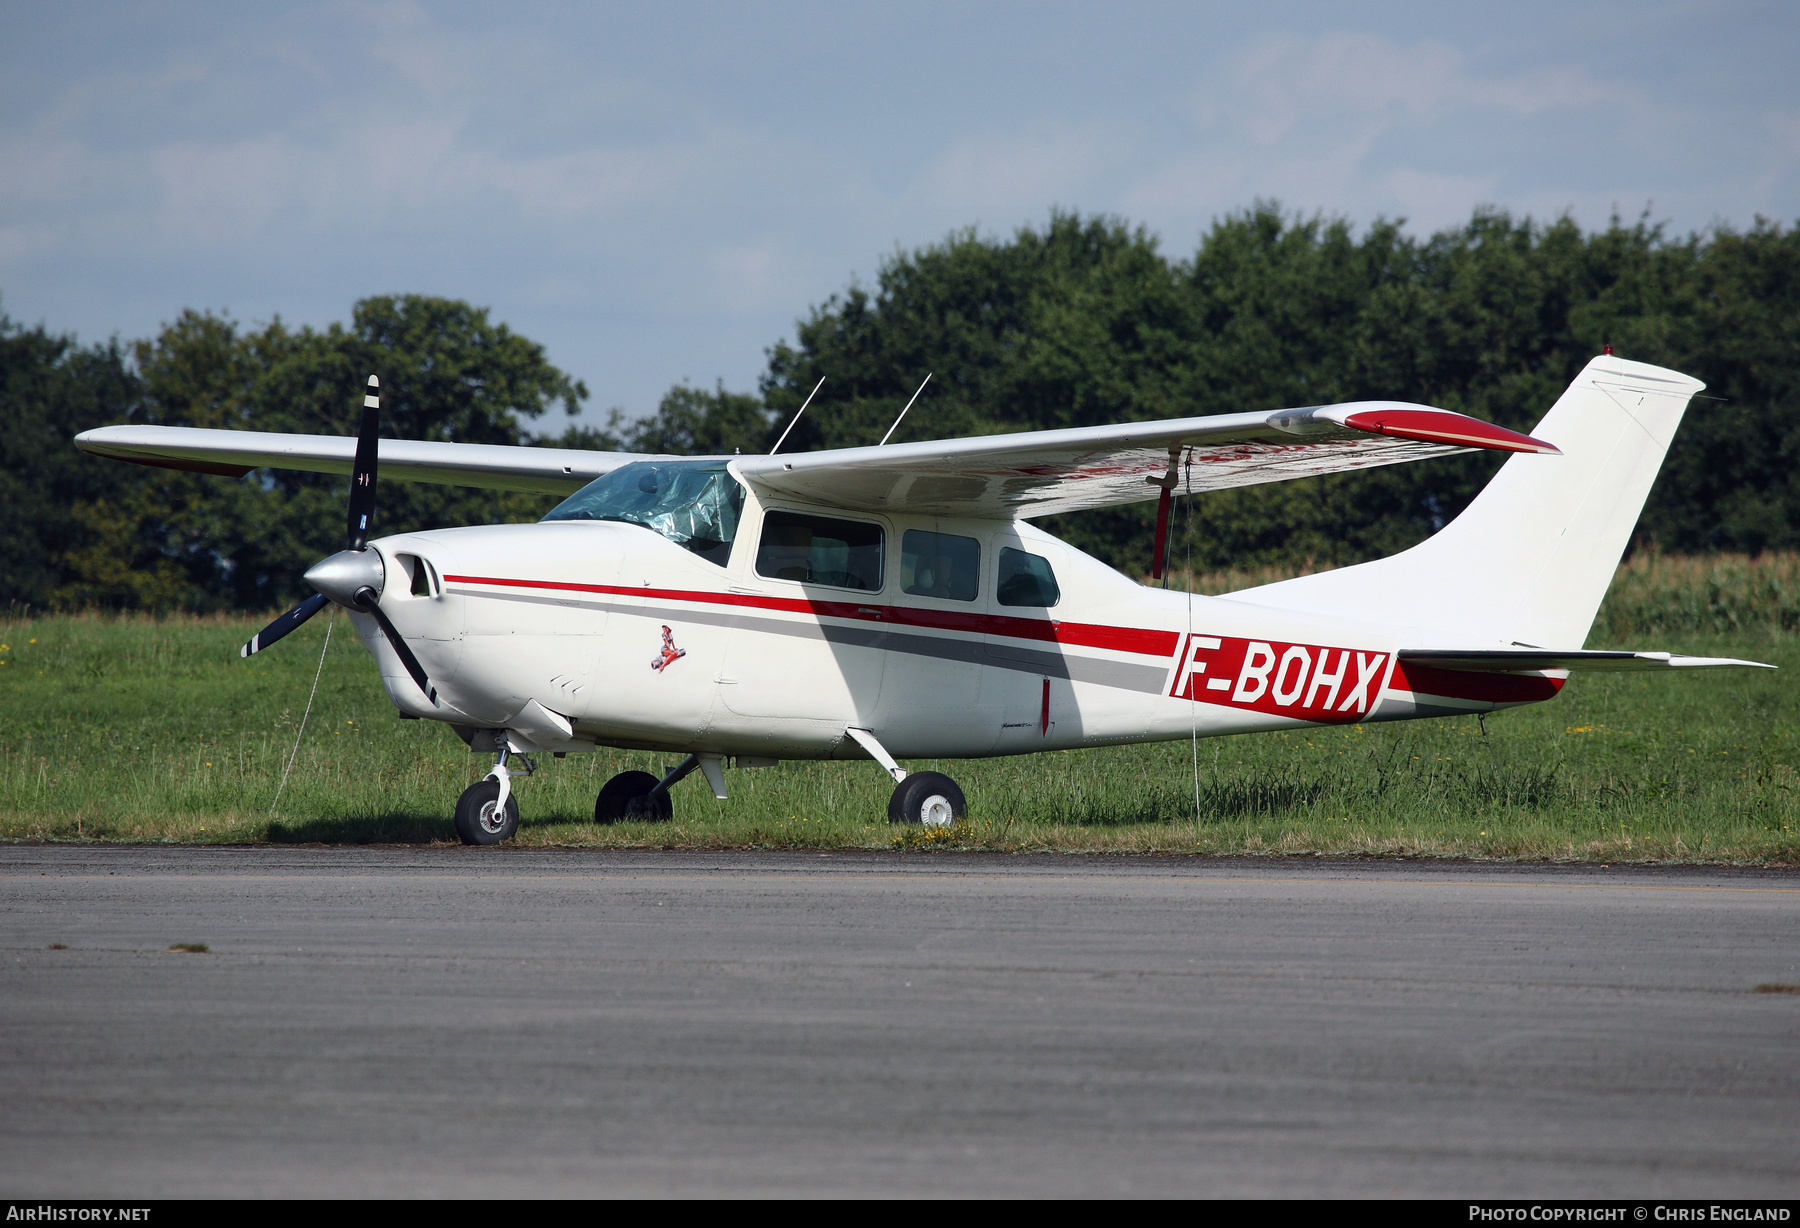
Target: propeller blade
[(368, 605), (362, 476), (281, 626)]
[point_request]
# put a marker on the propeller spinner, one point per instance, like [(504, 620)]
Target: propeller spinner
[(354, 576)]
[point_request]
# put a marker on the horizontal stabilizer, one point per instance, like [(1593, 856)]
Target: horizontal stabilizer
[(1531, 660)]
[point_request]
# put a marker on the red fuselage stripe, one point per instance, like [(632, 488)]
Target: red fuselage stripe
[(1140, 640)]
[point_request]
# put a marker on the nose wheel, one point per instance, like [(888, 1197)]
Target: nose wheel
[(483, 816), (929, 798), (487, 812)]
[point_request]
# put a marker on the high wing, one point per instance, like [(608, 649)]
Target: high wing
[(1034, 473), (557, 471), (1532, 660), (1038, 473)]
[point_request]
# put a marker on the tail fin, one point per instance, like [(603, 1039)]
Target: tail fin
[(1529, 560)]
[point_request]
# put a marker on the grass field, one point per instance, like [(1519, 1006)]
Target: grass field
[(153, 729)]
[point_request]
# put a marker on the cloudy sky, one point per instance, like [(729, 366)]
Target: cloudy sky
[(657, 191)]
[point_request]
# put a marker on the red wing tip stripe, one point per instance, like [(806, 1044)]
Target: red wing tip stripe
[(1433, 428), (1529, 445)]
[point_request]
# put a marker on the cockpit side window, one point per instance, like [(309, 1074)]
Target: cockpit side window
[(940, 565), (820, 550), (695, 504), (1026, 579)]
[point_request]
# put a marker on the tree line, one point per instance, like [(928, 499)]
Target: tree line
[(1078, 322)]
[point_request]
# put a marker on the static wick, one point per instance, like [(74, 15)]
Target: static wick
[(909, 405), (803, 405)]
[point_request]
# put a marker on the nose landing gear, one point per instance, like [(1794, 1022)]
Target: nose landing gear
[(487, 812)]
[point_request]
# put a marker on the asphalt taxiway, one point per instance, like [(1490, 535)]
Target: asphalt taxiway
[(519, 1022)]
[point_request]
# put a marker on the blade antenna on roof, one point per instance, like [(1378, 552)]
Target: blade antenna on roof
[(909, 405), (796, 418)]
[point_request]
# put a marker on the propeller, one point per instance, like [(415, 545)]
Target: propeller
[(354, 576)]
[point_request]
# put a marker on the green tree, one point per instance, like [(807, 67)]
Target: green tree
[(1082, 321), (52, 389), (1732, 480), (206, 542), (1086, 322), (694, 422), (1078, 324)]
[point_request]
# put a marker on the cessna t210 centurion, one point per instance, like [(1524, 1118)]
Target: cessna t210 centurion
[(897, 603)]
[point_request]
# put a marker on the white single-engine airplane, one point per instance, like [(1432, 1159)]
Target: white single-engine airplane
[(895, 602)]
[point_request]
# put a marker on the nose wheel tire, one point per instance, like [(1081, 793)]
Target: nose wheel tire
[(627, 796), (480, 819), (930, 798)]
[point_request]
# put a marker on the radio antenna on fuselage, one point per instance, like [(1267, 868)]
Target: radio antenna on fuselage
[(803, 405), (909, 405)]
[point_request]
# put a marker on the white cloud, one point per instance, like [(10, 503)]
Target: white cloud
[(1784, 127), (1359, 125), (1000, 177), (1285, 85)]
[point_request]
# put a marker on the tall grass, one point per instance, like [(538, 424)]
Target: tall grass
[(1651, 593), (1722, 594), (140, 728)]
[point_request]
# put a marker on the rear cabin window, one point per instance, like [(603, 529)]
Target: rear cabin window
[(820, 550), (1026, 579), (940, 565)]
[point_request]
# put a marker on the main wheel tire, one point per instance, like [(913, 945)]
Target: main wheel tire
[(479, 819), (931, 798), (618, 795)]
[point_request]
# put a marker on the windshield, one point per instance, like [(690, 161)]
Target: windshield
[(694, 504)]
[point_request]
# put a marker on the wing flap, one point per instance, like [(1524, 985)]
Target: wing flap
[(557, 471)]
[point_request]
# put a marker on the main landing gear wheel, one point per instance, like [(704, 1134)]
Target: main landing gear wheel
[(479, 816), (623, 797), (931, 798)]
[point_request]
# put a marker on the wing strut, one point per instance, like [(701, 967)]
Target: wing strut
[(1159, 562)]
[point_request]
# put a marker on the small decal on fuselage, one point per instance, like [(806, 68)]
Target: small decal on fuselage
[(669, 654), (1298, 680)]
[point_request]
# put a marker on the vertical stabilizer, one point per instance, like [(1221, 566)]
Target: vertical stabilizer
[(1530, 559)]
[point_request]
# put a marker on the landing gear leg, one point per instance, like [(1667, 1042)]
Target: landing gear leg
[(487, 812), (656, 804), (931, 798)]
